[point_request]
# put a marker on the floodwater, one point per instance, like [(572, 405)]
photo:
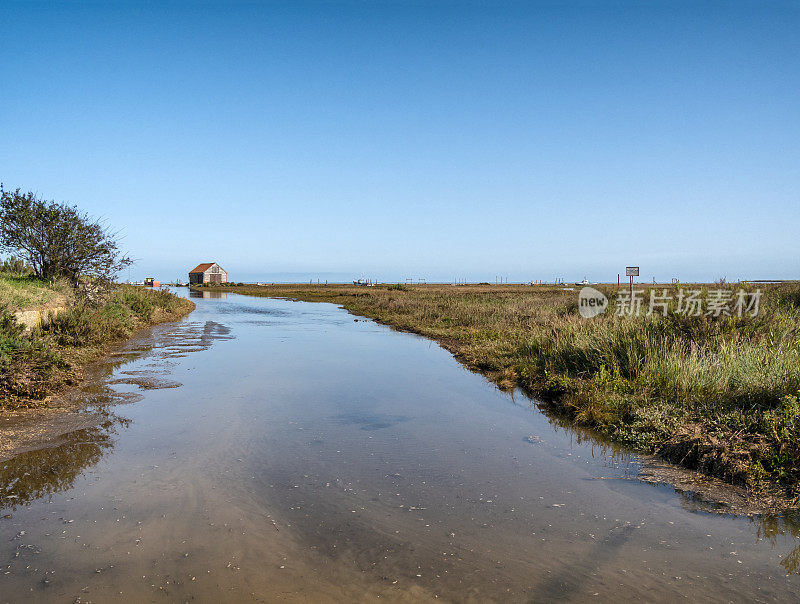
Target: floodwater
[(266, 450)]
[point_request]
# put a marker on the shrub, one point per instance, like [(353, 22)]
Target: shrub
[(56, 239)]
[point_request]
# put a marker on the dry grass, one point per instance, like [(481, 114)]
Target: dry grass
[(644, 381)]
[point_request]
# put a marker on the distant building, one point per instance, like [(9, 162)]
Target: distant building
[(151, 282), (208, 272)]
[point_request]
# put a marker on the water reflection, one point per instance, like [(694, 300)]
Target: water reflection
[(370, 421), (771, 527), (36, 474), (193, 293), (40, 473), (777, 529)]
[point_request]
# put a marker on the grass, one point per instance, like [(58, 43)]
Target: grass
[(23, 292), (38, 363), (718, 394)]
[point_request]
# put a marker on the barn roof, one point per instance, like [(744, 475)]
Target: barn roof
[(201, 268)]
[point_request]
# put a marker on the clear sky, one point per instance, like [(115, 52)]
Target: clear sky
[(416, 139)]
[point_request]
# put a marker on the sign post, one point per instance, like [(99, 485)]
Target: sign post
[(631, 271)]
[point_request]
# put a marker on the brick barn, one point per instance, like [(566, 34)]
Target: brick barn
[(208, 272)]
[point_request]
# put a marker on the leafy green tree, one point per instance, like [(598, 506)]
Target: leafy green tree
[(56, 239)]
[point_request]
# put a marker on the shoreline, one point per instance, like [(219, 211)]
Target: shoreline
[(656, 469), (86, 404), (77, 338), (690, 449)]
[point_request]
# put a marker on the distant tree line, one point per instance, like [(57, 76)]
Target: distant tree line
[(56, 240), (16, 266)]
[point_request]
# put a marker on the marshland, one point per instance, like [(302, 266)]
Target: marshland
[(468, 406), (265, 448), (717, 394)]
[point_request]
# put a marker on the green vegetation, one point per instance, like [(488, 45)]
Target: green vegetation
[(63, 260), (39, 362), (56, 240), (718, 394), (24, 291)]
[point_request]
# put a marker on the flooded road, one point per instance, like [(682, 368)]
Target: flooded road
[(272, 450)]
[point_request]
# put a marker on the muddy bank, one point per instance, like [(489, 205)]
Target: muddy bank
[(88, 405), (37, 365), (720, 465)]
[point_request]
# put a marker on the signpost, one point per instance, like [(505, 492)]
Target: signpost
[(631, 271)]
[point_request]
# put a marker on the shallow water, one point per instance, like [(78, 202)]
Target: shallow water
[(282, 450)]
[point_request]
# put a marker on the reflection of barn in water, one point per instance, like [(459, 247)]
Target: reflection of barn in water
[(196, 294), (208, 272)]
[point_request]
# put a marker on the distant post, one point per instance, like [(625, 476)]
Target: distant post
[(631, 271)]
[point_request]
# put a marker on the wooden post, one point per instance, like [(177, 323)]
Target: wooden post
[(632, 271)]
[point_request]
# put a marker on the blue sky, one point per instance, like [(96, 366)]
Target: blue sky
[(425, 139)]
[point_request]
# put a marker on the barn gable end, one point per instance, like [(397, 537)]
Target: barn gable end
[(207, 272)]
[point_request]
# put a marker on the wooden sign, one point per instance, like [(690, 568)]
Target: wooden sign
[(631, 271)]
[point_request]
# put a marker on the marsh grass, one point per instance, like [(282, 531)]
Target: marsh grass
[(647, 381), (40, 362)]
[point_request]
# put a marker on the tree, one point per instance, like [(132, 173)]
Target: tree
[(56, 239)]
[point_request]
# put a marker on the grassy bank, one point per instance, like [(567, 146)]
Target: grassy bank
[(20, 293), (37, 363), (716, 394)]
